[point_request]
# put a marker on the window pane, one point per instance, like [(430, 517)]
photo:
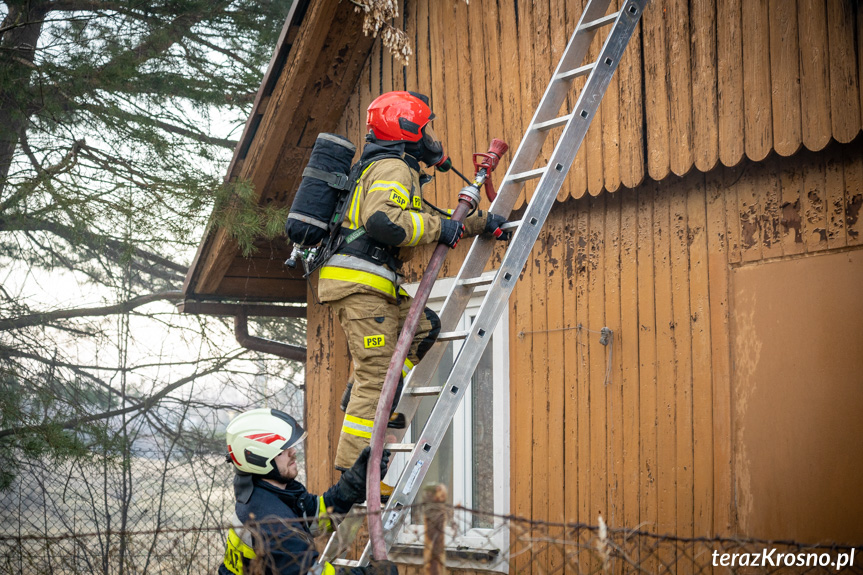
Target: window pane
[(440, 470), (482, 407)]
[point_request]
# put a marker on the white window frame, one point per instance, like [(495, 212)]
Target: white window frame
[(475, 541)]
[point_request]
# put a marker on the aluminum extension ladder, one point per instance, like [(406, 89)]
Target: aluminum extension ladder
[(521, 169)]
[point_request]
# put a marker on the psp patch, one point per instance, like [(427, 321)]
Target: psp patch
[(399, 200), (371, 341), (417, 203)]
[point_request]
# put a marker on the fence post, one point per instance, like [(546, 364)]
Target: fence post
[(435, 512)]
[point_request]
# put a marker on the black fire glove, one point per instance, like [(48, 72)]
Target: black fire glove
[(450, 232), (493, 224), (382, 568), (352, 485)]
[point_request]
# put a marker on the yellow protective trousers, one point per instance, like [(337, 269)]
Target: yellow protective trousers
[(372, 325)]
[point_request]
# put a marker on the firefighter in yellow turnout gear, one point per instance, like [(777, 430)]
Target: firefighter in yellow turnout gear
[(386, 219)]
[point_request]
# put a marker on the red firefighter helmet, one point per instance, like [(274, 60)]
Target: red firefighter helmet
[(399, 116), (406, 117)]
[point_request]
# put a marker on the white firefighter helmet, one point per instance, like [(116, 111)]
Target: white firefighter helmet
[(256, 437)]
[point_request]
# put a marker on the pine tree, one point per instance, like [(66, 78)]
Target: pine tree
[(116, 119)]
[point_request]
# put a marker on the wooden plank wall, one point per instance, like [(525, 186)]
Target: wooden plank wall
[(647, 440), (702, 82)]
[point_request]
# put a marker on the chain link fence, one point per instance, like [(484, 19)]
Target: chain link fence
[(147, 512), (188, 536)]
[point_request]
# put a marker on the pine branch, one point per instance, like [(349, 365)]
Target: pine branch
[(122, 307)]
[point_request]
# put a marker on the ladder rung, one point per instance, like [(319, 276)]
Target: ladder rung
[(452, 335), (525, 176), (477, 281), (571, 74), (548, 125), (599, 23), (511, 225), (423, 391), (345, 563), (400, 447)]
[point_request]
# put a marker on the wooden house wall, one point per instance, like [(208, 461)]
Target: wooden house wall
[(730, 88), (702, 82), (649, 440)]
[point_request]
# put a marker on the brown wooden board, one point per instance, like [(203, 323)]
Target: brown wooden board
[(702, 388), (572, 411), (814, 69), (577, 178), (437, 91), (582, 362), (656, 97), (729, 65), (599, 444), (756, 80), (717, 276), (560, 33), (631, 114), (327, 352), (647, 361), (682, 335), (626, 347), (611, 129), (666, 413), (526, 77), (614, 390), (705, 129), (510, 71), (593, 140), (844, 83), (785, 77), (537, 265), (679, 85), (556, 304)]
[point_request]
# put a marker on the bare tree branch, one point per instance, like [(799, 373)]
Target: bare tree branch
[(145, 405), (94, 241), (122, 307)]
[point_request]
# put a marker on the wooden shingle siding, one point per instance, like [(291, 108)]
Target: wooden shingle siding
[(702, 82)]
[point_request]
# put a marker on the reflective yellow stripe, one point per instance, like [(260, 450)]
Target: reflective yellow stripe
[(407, 368), (324, 523), (359, 277), (384, 185), (418, 229), (235, 551), (358, 426), (328, 569), (354, 211)]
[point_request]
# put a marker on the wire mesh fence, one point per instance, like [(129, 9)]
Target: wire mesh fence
[(148, 512), (504, 544)]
